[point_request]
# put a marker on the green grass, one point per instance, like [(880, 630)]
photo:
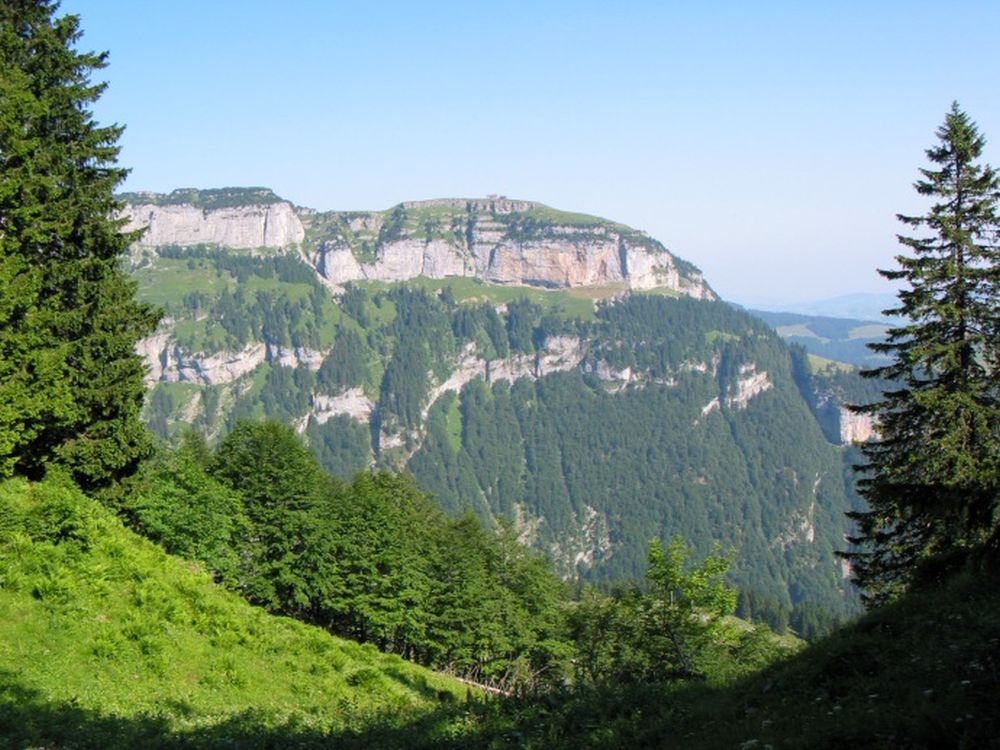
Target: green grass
[(566, 218), (799, 329), (169, 280), (713, 336), (205, 336), (105, 638), (566, 303), (453, 424), (662, 291), (819, 365)]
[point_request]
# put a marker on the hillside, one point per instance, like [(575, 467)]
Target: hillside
[(920, 673), (106, 641), (838, 339), (591, 417)]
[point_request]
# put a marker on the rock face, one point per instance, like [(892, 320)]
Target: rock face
[(352, 402), (855, 428), (496, 240), (168, 362), (234, 228)]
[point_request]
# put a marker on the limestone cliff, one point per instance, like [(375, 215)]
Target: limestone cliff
[(246, 219), (496, 240)]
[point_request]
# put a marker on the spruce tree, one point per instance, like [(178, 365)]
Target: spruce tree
[(71, 385), (932, 474)]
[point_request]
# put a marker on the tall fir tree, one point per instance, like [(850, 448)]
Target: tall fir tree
[(71, 385), (932, 475)]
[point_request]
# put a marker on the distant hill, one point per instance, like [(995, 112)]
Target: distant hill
[(835, 338), (866, 306)]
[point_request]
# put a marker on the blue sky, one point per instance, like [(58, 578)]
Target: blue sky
[(770, 143)]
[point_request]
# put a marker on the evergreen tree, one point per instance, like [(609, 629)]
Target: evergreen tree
[(70, 382), (932, 475)]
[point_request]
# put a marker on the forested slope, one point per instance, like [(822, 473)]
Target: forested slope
[(591, 419)]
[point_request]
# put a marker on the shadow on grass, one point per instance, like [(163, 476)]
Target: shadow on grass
[(28, 720), (586, 719)]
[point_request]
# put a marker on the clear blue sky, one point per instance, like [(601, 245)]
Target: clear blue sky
[(770, 143)]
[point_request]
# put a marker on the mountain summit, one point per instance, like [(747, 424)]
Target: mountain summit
[(495, 239)]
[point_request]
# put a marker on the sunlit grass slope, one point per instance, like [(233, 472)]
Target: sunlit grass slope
[(105, 640)]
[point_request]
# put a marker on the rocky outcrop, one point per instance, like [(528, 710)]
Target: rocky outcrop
[(590, 544), (295, 356), (353, 403), (748, 385), (560, 353), (395, 261), (855, 428), (497, 240), (554, 263), (236, 228), (169, 362)]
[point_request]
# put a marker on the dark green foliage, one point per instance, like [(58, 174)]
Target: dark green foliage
[(685, 612), (381, 528), (932, 475), (70, 382), (445, 593), (347, 366), (492, 439), (392, 229), (481, 324), (647, 461), (423, 335), (276, 314), (289, 560), (522, 316), (448, 474), (341, 444), (677, 629)]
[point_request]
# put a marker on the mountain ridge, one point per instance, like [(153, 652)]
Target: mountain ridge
[(496, 239)]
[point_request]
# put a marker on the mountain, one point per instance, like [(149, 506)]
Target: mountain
[(865, 306), (561, 372)]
